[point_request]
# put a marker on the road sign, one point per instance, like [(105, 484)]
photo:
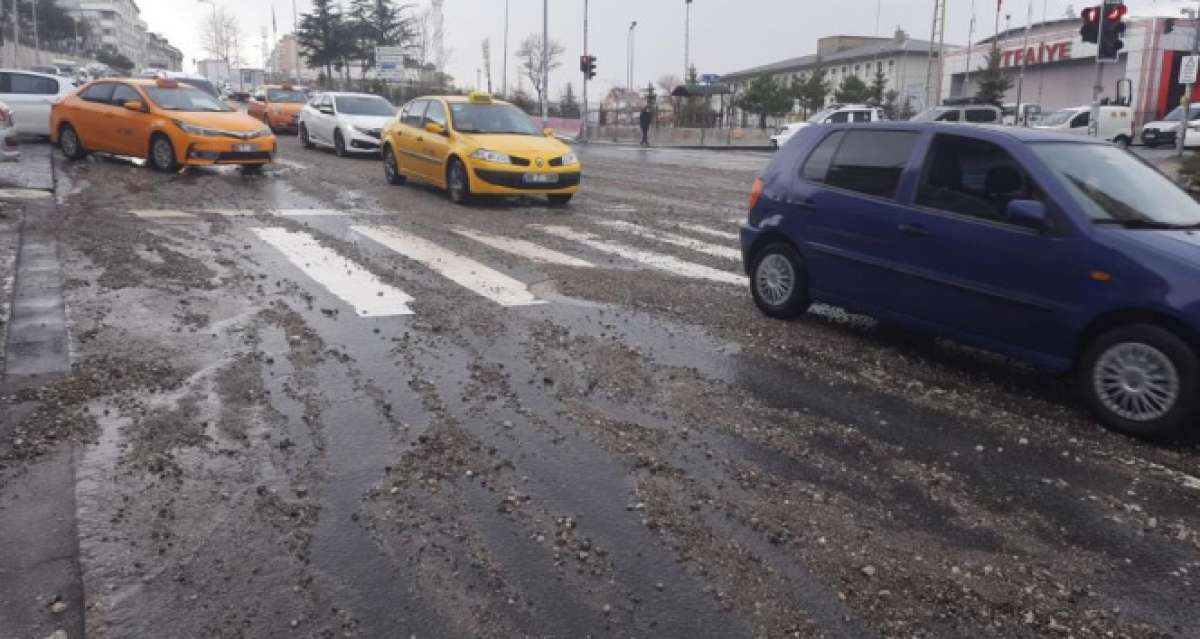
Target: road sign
[(1187, 70), (389, 63), (710, 78)]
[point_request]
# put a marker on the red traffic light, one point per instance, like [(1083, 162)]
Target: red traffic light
[(1115, 12), (1091, 14)]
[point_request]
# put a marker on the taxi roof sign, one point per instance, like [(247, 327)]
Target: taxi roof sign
[(479, 97), (166, 83)]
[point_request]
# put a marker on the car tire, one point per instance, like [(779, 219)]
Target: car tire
[(1124, 370), (391, 167), (162, 154), (458, 184), (779, 282), (339, 144), (305, 141), (69, 143), (559, 200), (774, 145), (1121, 141), (252, 169)]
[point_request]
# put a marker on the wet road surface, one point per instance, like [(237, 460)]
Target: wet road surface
[(309, 404)]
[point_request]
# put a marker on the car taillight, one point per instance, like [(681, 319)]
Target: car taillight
[(755, 192)]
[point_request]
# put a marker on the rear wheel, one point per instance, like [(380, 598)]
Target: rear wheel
[(252, 169), (162, 154), (779, 282), (339, 144), (304, 139), (1141, 380), (559, 200), (457, 182), (391, 167), (68, 141), (1121, 141)]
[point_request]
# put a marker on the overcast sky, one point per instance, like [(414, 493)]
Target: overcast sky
[(726, 35)]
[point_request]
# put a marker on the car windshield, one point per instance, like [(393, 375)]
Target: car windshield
[(1058, 117), (492, 118), (287, 95), (203, 85), (364, 105), (1113, 186), (184, 99), (1177, 113), (821, 115)]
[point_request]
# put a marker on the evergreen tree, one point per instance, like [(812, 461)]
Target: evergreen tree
[(993, 82), (568, 105), (320, 36), (813, 91), (878, 86), (890, 106), (764, 97), (852, 90)]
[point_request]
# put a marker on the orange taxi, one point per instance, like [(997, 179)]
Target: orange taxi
[(168, 123), (278, 106)]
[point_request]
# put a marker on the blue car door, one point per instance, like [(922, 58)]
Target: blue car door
[(850, 217), (978, 276)]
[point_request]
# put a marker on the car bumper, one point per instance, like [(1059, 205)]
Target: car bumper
[(488, 181), (748, 236), (361, 143), (284, 121), (1167, 137), (203, 151)]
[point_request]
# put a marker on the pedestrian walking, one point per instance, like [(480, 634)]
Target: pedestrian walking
[(644, 121)]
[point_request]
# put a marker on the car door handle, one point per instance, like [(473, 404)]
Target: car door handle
[(808, 204), (914, 229)]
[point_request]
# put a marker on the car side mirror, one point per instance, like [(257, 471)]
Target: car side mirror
[(135, 105), (326, 110), (435, 128), (548, 132), (1029, 213)]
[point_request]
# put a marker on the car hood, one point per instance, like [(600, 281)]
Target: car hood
[(516, 144), (291, 108), (229, 121), (1162, 124), (365, 121), (1181, 246)]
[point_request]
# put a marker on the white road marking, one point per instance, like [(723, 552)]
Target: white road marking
[(671, 238), (362, 290), (649, 258), (309, 213), (461, 270), (24, 194), (704, 230), (523, 248), (736, 220), (291, 164), (161, 214), (231, 212)]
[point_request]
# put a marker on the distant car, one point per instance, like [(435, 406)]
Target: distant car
[(965, 113), (835, 114), (476, 145), (1163, 132), (167, 122), (1058, 250), (30, 96), (345, 122), (278, 106), (9, 145), (1115, 125)]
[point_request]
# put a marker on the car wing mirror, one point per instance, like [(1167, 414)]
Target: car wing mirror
[(135, 105), (326, 110), (435, 128), (548, 132), (1028, 213)]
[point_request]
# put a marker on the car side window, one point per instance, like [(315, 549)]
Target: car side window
[(817, 166), (871, 162), (979, 116), (1081, 120), (949, 116), (839, 117), (973, 177), (98, 92), (861, 116), (414, 113), (436, 113), (26, 84), (124, 93), (5, 79)]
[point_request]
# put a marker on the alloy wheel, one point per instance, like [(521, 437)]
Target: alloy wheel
[(1136, 381), (776, 280)]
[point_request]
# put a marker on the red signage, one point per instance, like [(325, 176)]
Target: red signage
[(1042, 53)]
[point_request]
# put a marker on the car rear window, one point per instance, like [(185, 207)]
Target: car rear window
[(871, 162), (981, 115)]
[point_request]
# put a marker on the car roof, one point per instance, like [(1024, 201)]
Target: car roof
[(1020, 134), (37, 73)]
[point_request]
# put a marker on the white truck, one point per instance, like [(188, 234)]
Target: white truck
[(1115, 123), (832, 114)]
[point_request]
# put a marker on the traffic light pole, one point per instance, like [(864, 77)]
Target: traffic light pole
[(1098, 87), (583, 130), (1186, 118)]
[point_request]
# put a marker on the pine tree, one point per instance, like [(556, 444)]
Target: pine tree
[(568, 105), (764, 97), (320, 36), (993, 83), (852, 90), (878, 86), (813, 91)]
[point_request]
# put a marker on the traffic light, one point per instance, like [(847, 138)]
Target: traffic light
[(1090, 31), (590, 71), (1113, 28), (583, 63)]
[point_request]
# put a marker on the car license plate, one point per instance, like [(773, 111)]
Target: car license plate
[(541, 178), (244, 148)]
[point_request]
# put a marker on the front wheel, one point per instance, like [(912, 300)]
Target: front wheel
[(779, 282), (1141, 380), (391, 168), (339, 144), (1121, 141), (305, 141), (252, 169), (457, 182), (162, 154), (68, 141), (559, 200)]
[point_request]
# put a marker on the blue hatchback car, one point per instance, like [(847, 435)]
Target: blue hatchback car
[(1061, 251)]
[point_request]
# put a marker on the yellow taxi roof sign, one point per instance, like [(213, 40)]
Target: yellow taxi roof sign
[(479, 97)]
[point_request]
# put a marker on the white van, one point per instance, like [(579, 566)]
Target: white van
[(30, 95), (1115, 125), (830, 115), (1162, 132)]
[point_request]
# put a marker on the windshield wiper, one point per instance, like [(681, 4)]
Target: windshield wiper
[(1146, 224)]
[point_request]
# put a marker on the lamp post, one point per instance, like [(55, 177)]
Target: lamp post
[(504, 73), (629, 74), (583, 126), (687, 38)]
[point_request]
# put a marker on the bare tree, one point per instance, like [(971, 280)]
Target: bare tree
[(219, 35), (530, 57)]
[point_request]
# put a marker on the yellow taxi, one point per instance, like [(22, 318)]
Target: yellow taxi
[(476, 145), (278, 106), (168, 123)]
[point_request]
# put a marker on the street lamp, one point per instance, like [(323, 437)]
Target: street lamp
[(629, 50), (687, 38)]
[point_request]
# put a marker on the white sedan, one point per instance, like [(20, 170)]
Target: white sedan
[(30, 96), (345, 122)]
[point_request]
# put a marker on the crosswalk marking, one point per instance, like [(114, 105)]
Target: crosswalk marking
[(194, 214), (309, 213), (671, 238), (162, 214), (522, 248), (230, 212), (704, 230), (649, 258), (356, 286), (464, 271)]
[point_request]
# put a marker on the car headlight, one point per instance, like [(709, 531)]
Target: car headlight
[(364, 130), (570, 159), (491, 156), (197, 130), (262, 131)]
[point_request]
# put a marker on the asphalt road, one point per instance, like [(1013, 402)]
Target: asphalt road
[(310, 404)]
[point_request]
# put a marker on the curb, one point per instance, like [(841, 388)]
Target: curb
[(689, 147)]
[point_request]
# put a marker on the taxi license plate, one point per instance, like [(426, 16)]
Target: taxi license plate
[(541, 178), (244, 148)]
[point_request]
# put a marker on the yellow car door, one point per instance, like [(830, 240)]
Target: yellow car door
[(436, 142), (131, 129), (409, 140)]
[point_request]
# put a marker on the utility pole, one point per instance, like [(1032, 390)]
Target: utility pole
[(583, 130), (37, 45), (1042, 76), (504, 73), (1098, 87), (937, 39), (687, 38), (16, 37), (1024, 60), (545, 61), (970, 48), (1186, 118)]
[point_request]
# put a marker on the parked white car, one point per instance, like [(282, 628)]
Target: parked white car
[(345, 122), (965, 113), (30, 95), (1115, 125), (1163, 132), (836, 113), (9, 146)]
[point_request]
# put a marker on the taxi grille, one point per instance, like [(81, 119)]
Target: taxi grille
[(513, 180), (243, 156), (518, 161)]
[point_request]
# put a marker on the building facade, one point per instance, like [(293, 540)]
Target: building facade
[(904, 62), (286, 62), (118, 24), (161, 55)]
